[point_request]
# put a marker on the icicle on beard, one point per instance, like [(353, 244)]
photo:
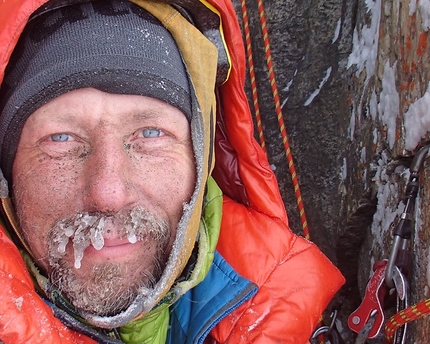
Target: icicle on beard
[(108, 288)]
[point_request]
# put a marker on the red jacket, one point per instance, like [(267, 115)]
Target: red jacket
[(296, 281)]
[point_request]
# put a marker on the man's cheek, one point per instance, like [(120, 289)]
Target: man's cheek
[(41, 197), (51, 181)]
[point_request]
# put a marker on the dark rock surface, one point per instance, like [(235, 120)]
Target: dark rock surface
[(310, 43)]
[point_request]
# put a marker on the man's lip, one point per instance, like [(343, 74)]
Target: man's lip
[(116, 242), (113, 249)]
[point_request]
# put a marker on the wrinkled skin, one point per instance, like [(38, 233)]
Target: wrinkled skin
[(101, 154)]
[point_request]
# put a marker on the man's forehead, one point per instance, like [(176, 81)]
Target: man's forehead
[(89, 104)]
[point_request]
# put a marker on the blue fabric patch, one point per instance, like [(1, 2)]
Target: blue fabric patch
[(198, 311)]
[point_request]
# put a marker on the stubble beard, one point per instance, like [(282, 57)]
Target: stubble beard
[(109, 287)]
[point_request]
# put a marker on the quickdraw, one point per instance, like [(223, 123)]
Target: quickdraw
[(390, 276)]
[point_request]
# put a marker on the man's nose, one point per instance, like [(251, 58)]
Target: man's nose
[(108, 182)]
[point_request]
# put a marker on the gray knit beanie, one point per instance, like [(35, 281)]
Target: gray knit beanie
[(112, 45)]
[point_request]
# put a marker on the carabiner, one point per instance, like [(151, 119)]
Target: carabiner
[(403, 231), (330, 335), (402, 289), (329, 332)]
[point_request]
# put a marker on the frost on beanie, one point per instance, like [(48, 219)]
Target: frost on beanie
[(112, 45)]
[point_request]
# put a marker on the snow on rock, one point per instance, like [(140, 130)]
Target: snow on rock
[(317, 91), (423, 7), (387, 196), (337, 31), (364, 56), (389, 103), (365, 44), (373, 105), (343, 170), (417, 120)]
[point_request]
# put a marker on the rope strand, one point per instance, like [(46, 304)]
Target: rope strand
[(281, 123), (405, 316), (250, 60)]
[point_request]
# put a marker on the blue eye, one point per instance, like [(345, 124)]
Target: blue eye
[(60, 137), (151, 132)]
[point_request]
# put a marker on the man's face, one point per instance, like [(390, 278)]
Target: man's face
[(99, 181)]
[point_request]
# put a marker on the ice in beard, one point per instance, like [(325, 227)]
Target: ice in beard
[(84, 229)]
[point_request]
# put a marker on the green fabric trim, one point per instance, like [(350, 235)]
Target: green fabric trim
[(153, 327), (209, 229)]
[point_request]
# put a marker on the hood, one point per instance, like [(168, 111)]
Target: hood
[(209, 38)]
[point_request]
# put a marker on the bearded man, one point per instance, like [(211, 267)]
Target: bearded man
[(137, 206)]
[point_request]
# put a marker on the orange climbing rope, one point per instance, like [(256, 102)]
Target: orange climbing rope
[(405, 316), (281, 120), (252, 76)]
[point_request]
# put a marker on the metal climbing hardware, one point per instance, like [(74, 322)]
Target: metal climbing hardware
[(390, 277), (400, 261), (364, 333), (402, 290), (330, 334), (371, 309), (368, 319), (400, 255)]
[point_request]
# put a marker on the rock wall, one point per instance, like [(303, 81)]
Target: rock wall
[(310, 42), (353, 77)]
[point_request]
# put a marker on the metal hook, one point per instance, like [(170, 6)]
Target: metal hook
[(403, 231)]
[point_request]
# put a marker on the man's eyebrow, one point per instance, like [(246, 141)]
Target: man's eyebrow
[(146, 114), (62, 118)]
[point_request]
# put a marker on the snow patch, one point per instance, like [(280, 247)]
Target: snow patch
[(351, 128), (387, 195), (363, 155), (287, 88), (343, 170), (412, 7), (423, 7), (365, 44), (18, 302), (336, 31), (373, 105), (417, 120), (389, 103), (317, 91)]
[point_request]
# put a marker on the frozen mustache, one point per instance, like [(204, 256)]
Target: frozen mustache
[(85, 229)]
